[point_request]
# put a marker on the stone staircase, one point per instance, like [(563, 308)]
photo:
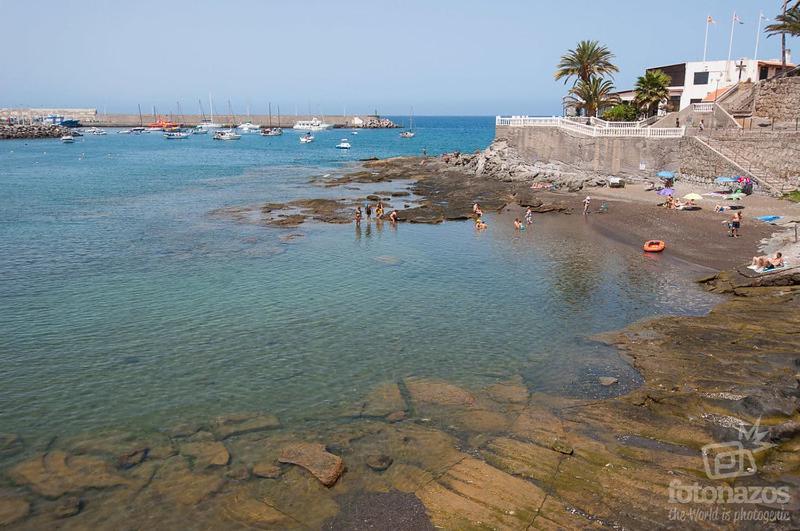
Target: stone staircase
[(767, 183)]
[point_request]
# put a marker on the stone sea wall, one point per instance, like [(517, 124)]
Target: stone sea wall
[(779, 99), (8, 132), (778, 153)]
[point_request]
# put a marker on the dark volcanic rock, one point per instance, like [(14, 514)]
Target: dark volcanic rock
[(132, 458), (379, 463), (68, 506)]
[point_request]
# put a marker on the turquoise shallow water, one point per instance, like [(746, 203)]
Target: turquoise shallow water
[(124, 303)]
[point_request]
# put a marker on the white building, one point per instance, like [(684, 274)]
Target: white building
[(697, 81)]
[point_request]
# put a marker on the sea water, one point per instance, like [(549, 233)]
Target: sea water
[(125, 302)]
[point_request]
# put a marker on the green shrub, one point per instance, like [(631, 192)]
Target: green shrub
[(623, 112)]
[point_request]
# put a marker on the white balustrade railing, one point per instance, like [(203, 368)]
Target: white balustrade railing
[(703, 107), (596, 126)]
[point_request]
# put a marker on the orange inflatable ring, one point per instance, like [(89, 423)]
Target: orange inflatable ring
[(654, 246)]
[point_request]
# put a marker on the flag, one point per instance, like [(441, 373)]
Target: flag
[(710, 20)]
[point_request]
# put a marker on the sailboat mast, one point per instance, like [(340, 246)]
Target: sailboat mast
[(269, 111), (279, 115), (211, 105), (140, 114), (202, 112)]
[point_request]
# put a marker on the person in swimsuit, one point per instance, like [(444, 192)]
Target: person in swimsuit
[(368, 210), (586, 204), (529, 216), (768, 263), (479, 224), (379, 210), (393, 216), (736, 224), (358, 216), (517, 224)]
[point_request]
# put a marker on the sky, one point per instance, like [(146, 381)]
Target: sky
[(441, 57)]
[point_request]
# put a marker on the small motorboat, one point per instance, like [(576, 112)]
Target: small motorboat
[(199, 130), (226, 135), (343, 144), (175, 135), (307, 138), (272, 131), (654, 246), (124, 132), (96, 131), (407, 134), (67, 139), (353, 132)]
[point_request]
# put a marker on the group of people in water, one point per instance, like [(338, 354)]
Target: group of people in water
[(477, 214), (379, 212)]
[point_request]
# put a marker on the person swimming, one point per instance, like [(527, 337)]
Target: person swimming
[(479, 224), (518, 224)]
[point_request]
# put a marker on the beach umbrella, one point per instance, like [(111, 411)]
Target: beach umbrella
[(666, 174), (666, 191), (693, 197)]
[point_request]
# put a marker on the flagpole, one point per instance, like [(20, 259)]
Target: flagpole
[(758, 34), (730, 49), (705, 44)]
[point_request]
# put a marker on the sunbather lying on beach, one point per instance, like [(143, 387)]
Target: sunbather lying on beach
[(766, 262)]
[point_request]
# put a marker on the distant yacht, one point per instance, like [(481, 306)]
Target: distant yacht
[(272, 131), (199, 130), (67, 139), (227, 135), (174, 135), (410, 133), (137, 130), (248, 127), (315, 124), (95, 131), (343, 144)]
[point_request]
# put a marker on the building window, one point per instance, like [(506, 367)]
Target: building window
[(696, 100), (701, 78), (763, 73)]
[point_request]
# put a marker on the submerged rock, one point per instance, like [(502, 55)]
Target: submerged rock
[(13, 510), (175, 482), (68, 506), (379, 463), (384, 400), (132, 458), (438, 392), (607, 381), (206, 454), (267, 471), (57, 473), (316, 459), (10, 444), (246, 508), (231, 425)]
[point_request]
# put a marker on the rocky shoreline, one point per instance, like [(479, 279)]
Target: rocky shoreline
[(19, 132), (420, 453)]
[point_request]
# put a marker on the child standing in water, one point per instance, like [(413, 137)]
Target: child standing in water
[(586, 205), (529, 216), (358, 216)]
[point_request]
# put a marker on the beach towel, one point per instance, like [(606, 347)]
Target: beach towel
[(768, 219)]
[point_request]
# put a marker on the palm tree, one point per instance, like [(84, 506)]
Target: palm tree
[(592, 95), (786, 23), (589, 58), (651, 89)]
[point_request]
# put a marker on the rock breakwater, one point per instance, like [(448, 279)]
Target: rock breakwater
[(12, 132)]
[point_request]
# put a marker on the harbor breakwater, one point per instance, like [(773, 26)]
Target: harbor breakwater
[(11, 132)]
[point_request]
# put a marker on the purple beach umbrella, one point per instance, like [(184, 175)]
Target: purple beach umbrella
[(666, 191)]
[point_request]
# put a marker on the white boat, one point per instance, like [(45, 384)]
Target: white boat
[(95, 131), (124, 132), (248, 127), (353, 132), (269, 130), (67, 139), (343, 144), (174, 135), (315, 124), (199, 130), (227, 135), (209, 124), (306, 138), (137, 130), (410, 133)]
